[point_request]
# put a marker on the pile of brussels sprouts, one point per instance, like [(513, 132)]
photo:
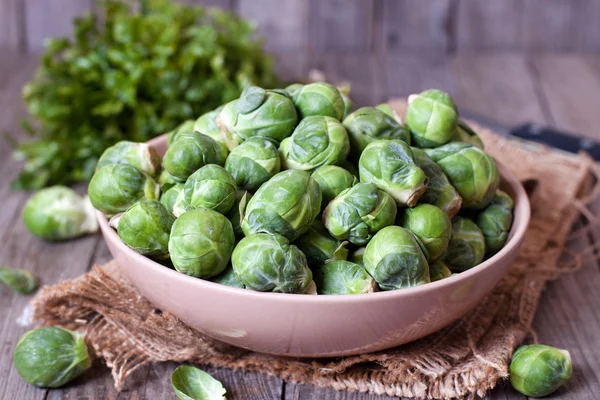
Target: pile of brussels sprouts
[(287, 189)]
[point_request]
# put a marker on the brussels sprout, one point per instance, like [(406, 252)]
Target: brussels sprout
[(116, 187), (431, 225), (184, 127), (471, 171), (169, 197), (51, 357), (333, 180), (439, 191), (253, 162), (181, 206), (386, 108), (344, 277), (257, 113), (287, 204), (465, 134), (495, 221), (201, 243), (467, 245), (395, 260), (357, 256), (234, 215), (145, 228), (359, 212), (268, 263), (319, 98), (140, 155), (191, 383), (207, 125), (538, 370), (166, 181), (316, 141), (190, 152), (345, 93), (319, 247), (19, 280), (431, 116), (390, 165), (294, 88), (438, 270), (368, 124), (228, 278), (210, 187), (59, 213)]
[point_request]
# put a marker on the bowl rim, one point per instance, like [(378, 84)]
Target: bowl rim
[(516, 235)]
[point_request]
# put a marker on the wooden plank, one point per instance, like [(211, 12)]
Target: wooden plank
[(408, 73), (12, 35), (298, 391), (548, 25)]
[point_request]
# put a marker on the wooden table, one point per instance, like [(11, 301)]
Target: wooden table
[(553, 89)]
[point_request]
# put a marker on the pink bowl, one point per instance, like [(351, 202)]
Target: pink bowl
[(319, 326)]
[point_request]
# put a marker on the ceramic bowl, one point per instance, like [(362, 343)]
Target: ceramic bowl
[(319, 326)]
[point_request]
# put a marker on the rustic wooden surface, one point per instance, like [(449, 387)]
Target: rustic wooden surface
[(555, 89)]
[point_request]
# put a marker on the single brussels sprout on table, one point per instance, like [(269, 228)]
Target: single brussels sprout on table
[(495, 221), (166, 181), (145, 228), (395, 260), (169, 197), (464, 133), (234, 215), (359, 212), (343, 277), (253, 162), (438, 270), (316, 141), (318, 98), (191, 383), (228, 278), (257, 113), (19, 280), (431, 225), (51, 357), (538, 370), (466, 247), (471, 171), (431, 116), (210, 187), (201, 243), (184, 127), (390, 165), (269, 263), (116, 187), (190, 152), (287, 205), (59, 213), (319, 247), (333, 180)]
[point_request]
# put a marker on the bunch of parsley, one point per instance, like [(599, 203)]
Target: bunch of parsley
[(131, 75)]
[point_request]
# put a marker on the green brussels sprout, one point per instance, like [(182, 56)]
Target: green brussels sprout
[(319, 247), (359, 212), (390, 165), (166, 181), (538, 370), (210, 187), (145, 228), (333, 180), (51, 357), (431, 225), (234, 215), (269, 263), (431, 116), (467, 245), (357, 256), (438, 270), (386, 108), (116, 187), (228, 278), (201, 243), (395, 260), (316, 141), (439, 191), (19, 280), (207, 125), (140, 155), (184, 127), (465, 134), (191, 383), (253, 162), (257, 113), (318, 98), (169, 197), (495, 221), (345, 93), (344, 277), (190, 152), (294, 88), (368, 124), (59, 213), (471, 171), (287, 205), (181, 206)]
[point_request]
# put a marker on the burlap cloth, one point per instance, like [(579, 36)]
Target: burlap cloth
[(467, 358)]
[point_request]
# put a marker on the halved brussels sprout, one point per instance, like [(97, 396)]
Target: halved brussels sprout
[(116, 187), (467, 245), (269, 263), (201, 243), (343, 277), (495, 221), (184, 127), (234, 215), (357, 256), (169, 197), (319, 98), (190, 152), (257, 113), (19, 280), (395, 260), (228, 278), (59, 213), (316, 141), (390, 165), (145, 228), (253, 162), (359, 212), (537, 370), (319, 247), (210, 187), (431, 225), (333, 180), (166, 181), (287, 205), (431, 116), (439, 191), (140, 155), (438, 270), (471, 171), (465, 134)]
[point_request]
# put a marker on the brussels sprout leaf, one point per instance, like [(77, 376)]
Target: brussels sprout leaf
[(191, 383), (19, 280)]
